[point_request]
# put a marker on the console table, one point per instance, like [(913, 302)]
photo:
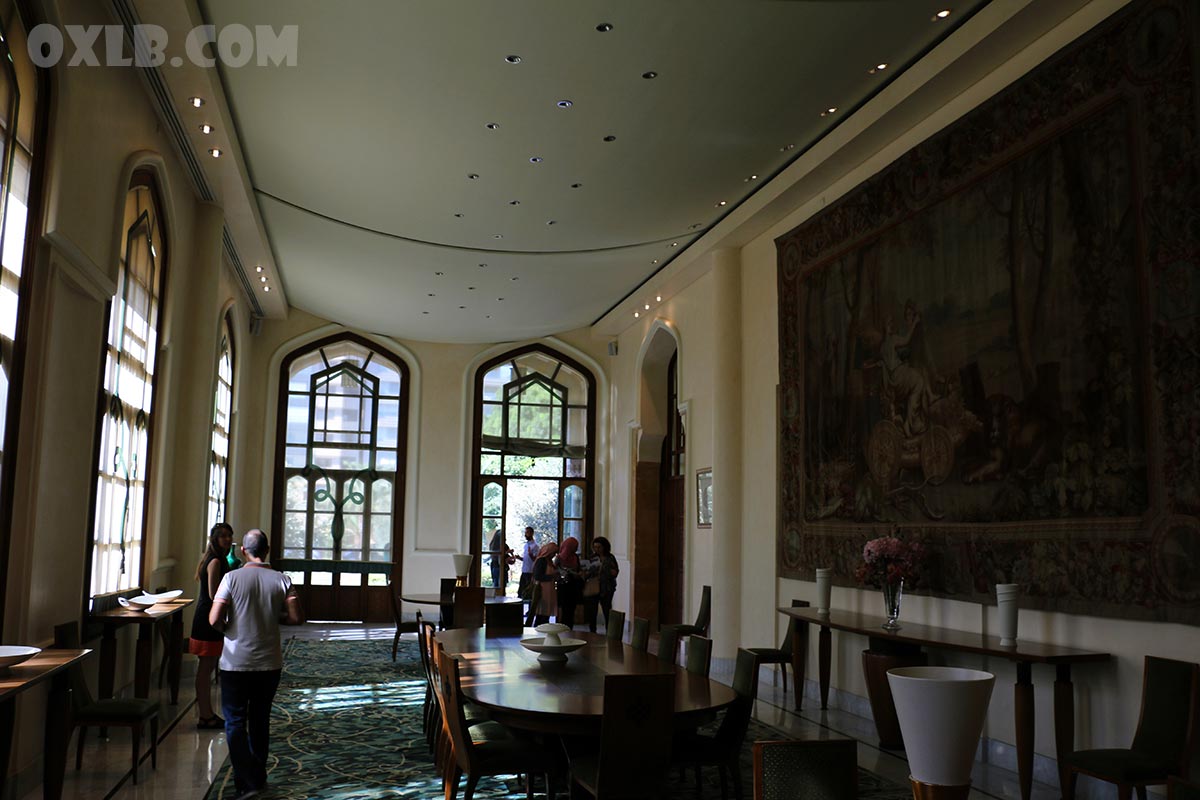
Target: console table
[(910, 635)]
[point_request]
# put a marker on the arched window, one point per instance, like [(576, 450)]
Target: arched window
[(339, 496), (535, 458), (127, 396), (222, 424)]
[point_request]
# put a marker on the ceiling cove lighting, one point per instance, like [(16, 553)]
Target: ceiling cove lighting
[(206, 129), (196, 102)]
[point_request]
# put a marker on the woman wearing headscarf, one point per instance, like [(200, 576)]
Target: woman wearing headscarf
[(570, 581), (546, 575)]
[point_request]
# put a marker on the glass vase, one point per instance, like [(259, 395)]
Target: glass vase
[(892, 593)]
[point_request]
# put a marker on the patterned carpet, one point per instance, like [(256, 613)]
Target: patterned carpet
[(347, 726)]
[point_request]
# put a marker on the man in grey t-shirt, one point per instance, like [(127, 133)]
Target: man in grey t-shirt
[(249, 605)]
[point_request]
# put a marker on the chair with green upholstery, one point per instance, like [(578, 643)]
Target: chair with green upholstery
[(703, 616), (699, 655), (639, 636), (668, 644), (1165, 739), (782, 655), (132, 712), (615, 627)]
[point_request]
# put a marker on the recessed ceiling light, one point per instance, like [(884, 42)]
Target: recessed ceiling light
[(610, 138), (196, 101), (514, 278), (787, 147), (880, 67), (498, 236), (215, 152), (828, 111), (576, 185), (535, 159), (696, 226), (604, 27), (651, 75), (489, 316), (473, 176), (424, 312), (513, 59), (491, 126), (565, 104), (266, 288), (262, 278), (636, 314), (750, 178), (721, 203), (674, 244), (551, 222), (483, 265), (945, 12), (658, 298), (462, 306), (439, 273), (500, 299), (470, 288), (655, 261), (259, 268), (431, 294), (647, 306), (206, 129), (458, 214), (514, 202)]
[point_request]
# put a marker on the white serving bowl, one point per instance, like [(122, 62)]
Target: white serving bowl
[(551, 653), (144, 601), (162, 597), (12, 654)]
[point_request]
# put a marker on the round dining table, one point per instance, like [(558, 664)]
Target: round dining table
[(506, 679)]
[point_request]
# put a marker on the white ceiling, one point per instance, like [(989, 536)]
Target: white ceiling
[(360, 154)]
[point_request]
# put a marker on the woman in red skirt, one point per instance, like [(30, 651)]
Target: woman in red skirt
[(207, 642)]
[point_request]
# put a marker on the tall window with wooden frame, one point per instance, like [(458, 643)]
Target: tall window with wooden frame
[(127, 396), (22, 124), (339, 496), (534, 457), (222, 425)]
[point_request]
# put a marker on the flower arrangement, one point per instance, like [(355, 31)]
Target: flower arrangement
[(889, 560)]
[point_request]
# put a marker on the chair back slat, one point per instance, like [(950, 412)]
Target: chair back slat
[(1166, 727), (639, 637), (468, 607), (699, 655), (668, 644), (615, 625), (504, 619), (635, 734)]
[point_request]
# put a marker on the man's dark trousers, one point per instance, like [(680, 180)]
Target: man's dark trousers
[(246, 699)]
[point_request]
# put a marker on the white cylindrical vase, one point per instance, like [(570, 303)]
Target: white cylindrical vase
[(1006, 600), (941, 712), (824, 589), (462, 566)]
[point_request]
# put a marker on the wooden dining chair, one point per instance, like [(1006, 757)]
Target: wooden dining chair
[(668, 644), (468, 607), (723, 748), (486, 748), (504, 619), (639, 637), (815, 769), (699, 655), (432, 712), (133, 713), (1165, 740), (446, 587), (782, 655), (401, 625), (703, 616), (614, 627), (635, 739)]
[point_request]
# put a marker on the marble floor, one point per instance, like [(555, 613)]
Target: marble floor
[(189, 758)]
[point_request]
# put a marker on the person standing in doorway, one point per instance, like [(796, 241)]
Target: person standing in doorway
[(249, 605), (529, 555)]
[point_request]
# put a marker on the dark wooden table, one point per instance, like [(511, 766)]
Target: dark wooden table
[(48, 665), (436, 599), (1024, 654), (170, 611), (505, 678)]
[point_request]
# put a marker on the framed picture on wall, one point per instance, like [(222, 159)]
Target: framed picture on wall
[(704, 498)]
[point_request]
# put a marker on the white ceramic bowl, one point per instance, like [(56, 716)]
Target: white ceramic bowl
[(12, 654), (144, 601), (552, 653), (162, 597)]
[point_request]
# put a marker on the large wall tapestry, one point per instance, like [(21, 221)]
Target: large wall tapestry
[(994, 344)]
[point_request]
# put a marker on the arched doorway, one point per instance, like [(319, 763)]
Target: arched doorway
[(659, 499)]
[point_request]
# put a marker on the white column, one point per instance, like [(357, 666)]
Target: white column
[(727, 452)]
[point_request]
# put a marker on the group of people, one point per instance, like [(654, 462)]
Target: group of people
[(564, 577), (236, 627)]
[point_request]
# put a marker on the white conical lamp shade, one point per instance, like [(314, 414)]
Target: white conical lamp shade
[(941, 712), (462, 564)]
